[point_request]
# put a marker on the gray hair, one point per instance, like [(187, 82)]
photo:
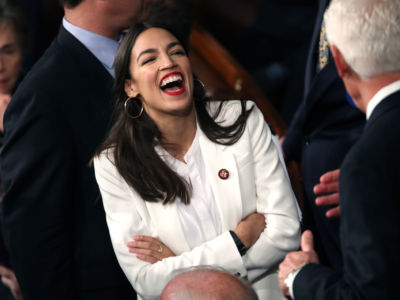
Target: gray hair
[(367, 33)]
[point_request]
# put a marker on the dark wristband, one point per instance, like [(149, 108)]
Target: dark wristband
[(240, 246)]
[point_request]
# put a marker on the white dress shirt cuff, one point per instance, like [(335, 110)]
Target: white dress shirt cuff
[(290, 279)]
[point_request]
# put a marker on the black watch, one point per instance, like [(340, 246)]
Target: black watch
[(240, 246)]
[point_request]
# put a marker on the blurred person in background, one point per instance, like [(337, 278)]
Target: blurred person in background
[(54, 220), (13, 47), (321, 133), (364, 37)]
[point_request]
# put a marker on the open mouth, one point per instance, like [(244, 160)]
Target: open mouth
[(173, 84)]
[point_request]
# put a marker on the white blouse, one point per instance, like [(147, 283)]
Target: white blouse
[(200, 219)]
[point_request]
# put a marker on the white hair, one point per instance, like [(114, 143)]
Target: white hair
[(367, 33)]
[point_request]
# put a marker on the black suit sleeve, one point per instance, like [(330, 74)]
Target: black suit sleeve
[(37, 166), (369, 235), (293, 140)]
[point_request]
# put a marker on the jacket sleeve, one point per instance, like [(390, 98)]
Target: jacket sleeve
[(36, 171), (275, 199), (294, 136), (125, 210), (369, 232)]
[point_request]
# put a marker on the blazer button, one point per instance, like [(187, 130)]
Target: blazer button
[(306, 140)]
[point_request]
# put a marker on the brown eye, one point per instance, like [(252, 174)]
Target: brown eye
[(178, 52), (147, 60)]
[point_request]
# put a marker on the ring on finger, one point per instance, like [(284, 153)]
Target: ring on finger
[(160, 249)]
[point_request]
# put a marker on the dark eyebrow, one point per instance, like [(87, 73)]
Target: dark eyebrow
[(153, 50), (173, 44), (150, 50)]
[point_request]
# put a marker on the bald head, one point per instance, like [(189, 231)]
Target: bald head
[(207, 284)]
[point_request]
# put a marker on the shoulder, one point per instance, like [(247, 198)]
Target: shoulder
[(104, 160), (106, 171)]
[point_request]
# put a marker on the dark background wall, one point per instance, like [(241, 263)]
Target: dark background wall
[(268, 37)]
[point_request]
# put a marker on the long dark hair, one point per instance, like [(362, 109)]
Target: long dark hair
[(133, 140)]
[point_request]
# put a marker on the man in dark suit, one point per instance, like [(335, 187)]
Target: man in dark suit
[(322, 131), (364, 36), (53, 213)]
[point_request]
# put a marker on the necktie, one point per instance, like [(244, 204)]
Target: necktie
[(323, 49)]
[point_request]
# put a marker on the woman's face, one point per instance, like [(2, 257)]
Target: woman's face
[(161, 75), (10, 59)]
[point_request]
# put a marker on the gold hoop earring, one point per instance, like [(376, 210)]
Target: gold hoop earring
[(127, 111), (199, 88), (200, 82)]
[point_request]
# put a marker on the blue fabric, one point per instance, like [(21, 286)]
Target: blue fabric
[(102, 48), (350, 100)]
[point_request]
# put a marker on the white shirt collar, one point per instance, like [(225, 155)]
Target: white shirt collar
[(103, 48), (380, 95)]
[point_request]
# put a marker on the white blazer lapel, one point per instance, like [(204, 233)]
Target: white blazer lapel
[(226, 191)]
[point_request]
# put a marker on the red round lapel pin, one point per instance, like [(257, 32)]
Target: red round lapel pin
[(223, 174)]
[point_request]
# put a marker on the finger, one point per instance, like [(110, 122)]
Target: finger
[(6, 281), (332, 199), (146, 238), (283, 288), (146, 258), (324, 188), (333, 212), (136, 244), (11, 284), (159, 250), (148, 252), (307, 241), (330, 176)]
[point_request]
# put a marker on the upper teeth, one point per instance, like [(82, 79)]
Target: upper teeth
[(170, 79)]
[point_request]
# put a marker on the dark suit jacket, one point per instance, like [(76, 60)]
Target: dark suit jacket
[(53, 213), (370, 223), (323, 130)]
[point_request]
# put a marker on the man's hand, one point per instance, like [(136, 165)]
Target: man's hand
[(297, 259), (9, 280), (329, 184)]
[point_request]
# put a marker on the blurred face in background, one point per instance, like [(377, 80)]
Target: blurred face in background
[(11, 57), (122, 13)]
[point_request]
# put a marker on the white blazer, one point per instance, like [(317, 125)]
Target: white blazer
[(256, 182)]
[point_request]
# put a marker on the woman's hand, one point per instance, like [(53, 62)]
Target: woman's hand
[(250, 228), (149, 249)]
